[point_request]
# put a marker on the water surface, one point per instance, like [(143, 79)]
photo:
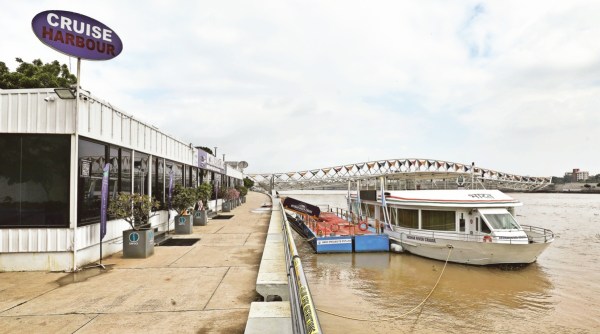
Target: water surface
[(559, 293)]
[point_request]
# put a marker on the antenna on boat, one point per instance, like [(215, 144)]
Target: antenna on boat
[(472, 175), (358, 200), (349, 199)]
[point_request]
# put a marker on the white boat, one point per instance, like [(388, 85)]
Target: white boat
[(478, 225)]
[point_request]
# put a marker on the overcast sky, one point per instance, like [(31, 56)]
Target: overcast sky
[(293, 85)]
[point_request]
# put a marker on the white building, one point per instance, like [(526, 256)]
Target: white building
[(51, 173), (577, 175)]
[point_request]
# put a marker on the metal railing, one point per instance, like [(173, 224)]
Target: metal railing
[(534, 234), (537, 234), (304, 313)]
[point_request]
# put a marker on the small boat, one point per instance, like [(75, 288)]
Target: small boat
[(479, 226), (333, 232)]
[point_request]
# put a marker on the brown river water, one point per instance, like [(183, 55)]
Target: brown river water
[(560, 293)]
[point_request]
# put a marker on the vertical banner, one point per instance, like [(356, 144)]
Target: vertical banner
[(104, 201), (170, 186)]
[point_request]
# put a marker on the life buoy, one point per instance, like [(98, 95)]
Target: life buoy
[(487, 238), (363, 226), (334, 227)]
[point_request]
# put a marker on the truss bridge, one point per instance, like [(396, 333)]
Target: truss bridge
[(401, 174)]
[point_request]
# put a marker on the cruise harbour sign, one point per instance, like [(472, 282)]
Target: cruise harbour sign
[(76, 35), (83, 37)]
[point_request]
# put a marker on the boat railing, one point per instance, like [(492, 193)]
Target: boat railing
[(356, 219), (443, 234), (303, 310), (538, 234)]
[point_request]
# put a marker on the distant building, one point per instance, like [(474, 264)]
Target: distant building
[(577, 175)]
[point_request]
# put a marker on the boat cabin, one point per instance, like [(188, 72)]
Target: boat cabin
[(471, 215)]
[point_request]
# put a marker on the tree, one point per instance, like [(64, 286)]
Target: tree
[(36, 75), (183, 199), (203, 193), (248, 183), (133, 208)]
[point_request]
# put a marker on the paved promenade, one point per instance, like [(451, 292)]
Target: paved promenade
[(203, 288)]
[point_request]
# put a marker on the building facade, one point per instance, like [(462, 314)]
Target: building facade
[(53, 153), (577, 175)]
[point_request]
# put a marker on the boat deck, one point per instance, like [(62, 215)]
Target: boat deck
[(330, 224), (332, 234)]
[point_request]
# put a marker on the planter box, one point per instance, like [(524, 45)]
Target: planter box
[(226, 206), (200, 218), (138, 244), (183, 224)]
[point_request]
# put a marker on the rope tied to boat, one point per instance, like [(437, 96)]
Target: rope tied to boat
[(450, 247)]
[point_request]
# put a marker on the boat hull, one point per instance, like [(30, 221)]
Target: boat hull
[(468, 252)]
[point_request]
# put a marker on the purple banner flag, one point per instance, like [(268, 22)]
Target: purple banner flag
[(170, 187), (104, 201)]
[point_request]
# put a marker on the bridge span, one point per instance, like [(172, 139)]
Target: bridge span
[(402, 174)]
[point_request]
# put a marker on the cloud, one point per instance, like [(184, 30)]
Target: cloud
[(298, 85)]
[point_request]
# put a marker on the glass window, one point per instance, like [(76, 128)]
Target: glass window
[(125, 169), (34, 180), (177, 170), (408, 218), (113, 176), (194, 174), (141, 167), (92, 158), (202, 176), (438, 220), (173, 176), (158, 180), (393, 216), (484, 227), (503, 221)]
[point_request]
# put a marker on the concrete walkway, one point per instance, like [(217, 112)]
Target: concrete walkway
[(204, 288)]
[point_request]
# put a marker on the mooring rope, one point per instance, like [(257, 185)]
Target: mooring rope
[(450, 247)]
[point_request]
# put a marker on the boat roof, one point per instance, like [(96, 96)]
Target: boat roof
[(451, 198)]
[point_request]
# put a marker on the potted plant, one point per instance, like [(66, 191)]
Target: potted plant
[(243, 192), (226, 206), (135, 209), (203, 193), (183, 201), (230, 195)]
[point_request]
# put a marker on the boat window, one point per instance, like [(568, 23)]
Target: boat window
[(393, 216), (408, 218), (501, 221), (438, 220), (484, 227)]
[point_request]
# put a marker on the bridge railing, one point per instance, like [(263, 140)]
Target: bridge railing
[(407, 169)]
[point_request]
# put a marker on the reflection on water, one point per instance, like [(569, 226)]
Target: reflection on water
[(558, 293)]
